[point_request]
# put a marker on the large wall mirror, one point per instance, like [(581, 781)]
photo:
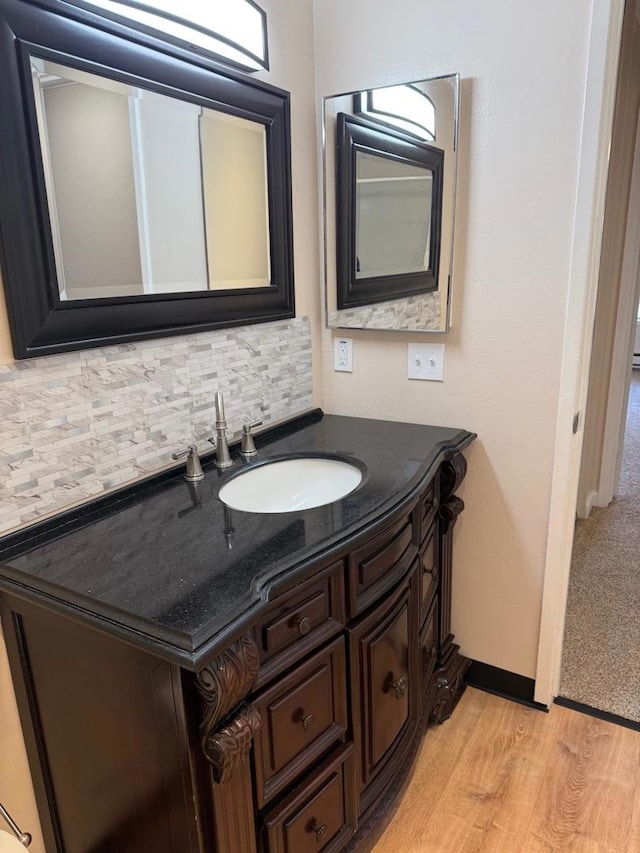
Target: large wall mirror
[(144, 190), (390, 164)]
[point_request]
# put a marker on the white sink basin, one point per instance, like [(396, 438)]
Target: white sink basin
[(286, 485)]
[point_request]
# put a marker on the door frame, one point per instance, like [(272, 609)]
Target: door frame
[(599, 101), (623, 344)]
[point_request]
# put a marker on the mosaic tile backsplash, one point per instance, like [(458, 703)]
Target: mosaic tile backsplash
[(421, 312), (74, 426)]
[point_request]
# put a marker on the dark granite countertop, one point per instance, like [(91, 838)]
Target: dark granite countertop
[(154, 565)]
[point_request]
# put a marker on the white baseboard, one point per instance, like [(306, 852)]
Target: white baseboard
[(585, 510)]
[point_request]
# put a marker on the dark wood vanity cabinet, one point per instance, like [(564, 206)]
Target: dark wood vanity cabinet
[(303, 714), (384, 678), (295, 737), (320, 813)]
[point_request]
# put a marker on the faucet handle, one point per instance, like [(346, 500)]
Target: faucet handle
[(247, 445), (193, 473)]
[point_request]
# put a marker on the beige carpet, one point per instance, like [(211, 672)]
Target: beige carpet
[(601, 657)]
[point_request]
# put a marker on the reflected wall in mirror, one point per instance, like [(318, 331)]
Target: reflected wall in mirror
[(393, 194), (147, 193), (144, 189), (389, 227)]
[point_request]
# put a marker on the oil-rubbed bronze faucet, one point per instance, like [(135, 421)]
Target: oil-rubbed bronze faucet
[(223, 459)]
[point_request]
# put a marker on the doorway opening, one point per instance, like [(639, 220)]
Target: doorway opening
[(601, 658), (601, 649)]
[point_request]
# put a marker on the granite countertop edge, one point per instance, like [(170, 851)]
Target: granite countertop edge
[(206, 642)]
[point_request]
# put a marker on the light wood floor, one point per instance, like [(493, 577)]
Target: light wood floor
[(501, 778)]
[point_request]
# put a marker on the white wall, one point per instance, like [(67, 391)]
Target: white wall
[(523, 76), (291, 57), (234, 189), (90, 149), (165, 138)]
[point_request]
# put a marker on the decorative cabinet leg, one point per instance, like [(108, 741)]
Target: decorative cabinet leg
[(231, 786), (448, 683), (222, 685), (448, 680)]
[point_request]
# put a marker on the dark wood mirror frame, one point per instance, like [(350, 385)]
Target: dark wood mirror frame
[(356, 134), (40, 322)]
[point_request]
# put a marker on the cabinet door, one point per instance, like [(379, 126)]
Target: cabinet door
[(384, 685)]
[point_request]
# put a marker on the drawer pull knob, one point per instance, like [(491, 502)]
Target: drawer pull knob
[(399, 687), (319, 830), (304, 625), (307, 720)]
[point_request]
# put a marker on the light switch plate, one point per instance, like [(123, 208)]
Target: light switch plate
[(343, 354), (426, 361)]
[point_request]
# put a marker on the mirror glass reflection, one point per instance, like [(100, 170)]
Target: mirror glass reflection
[(148, 194), (392, 216), (393, 221), (407, 107)]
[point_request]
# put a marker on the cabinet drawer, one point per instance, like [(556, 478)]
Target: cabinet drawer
[(303, 714), (429, 571), (309, 614), (428, 647), (319, 815), (428, 507), (377, 565)]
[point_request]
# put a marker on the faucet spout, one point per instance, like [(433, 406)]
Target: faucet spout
[(219, 399), (223, 458)]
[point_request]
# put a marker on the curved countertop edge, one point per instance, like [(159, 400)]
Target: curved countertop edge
[(264, 587), (267, 582)]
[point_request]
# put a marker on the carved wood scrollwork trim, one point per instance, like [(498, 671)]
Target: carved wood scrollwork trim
[(226, 681), (227, 747), (450, 511), (448, 686), (452, 473)]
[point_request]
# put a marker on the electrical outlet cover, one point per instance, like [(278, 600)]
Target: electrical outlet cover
[(343, 354)]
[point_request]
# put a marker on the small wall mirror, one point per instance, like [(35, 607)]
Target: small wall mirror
[(144, 190), (390, 162)]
